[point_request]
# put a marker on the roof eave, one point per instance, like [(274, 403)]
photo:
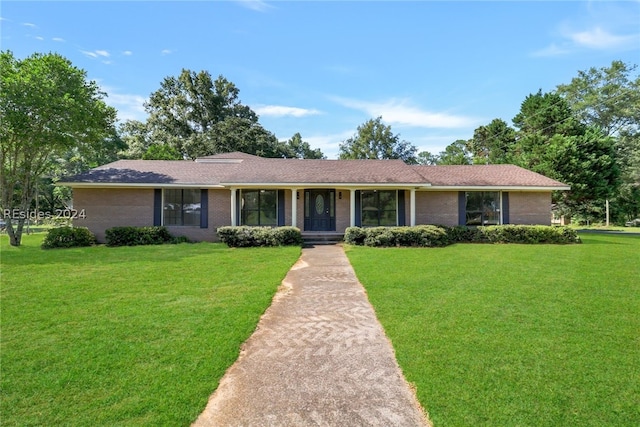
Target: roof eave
[(136, 185), (346, 185), (498, 188)]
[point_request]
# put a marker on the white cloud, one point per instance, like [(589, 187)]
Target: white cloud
[(166, 51), (328, 144), (58, 39), (282, 111), (257, 5), (403, 113), (96, 53), (127, 53), (129, 106), (30, 25), (597, 38), (39, 38)]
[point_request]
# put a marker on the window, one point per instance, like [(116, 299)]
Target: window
[(182, 207), (379, 208), (483, 208), (259, 207)]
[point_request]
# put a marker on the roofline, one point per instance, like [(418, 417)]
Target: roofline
[(497, 188), (354, 185), (405, 186), (134, 185)]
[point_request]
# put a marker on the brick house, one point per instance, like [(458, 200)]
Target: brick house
[(193, 198)]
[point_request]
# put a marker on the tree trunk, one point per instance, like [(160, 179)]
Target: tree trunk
[(15, 235)]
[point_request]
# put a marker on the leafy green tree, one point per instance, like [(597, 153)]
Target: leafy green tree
[(48, 108), (299, 149), (609, 98), (493, 143), (552, 141), (136, 137), (455, 154), (161, 152), (195, 116), (426, 158), (374, 140)]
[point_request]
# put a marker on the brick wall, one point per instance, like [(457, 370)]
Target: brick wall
[(530, 208), (437, 207), (106, 208)]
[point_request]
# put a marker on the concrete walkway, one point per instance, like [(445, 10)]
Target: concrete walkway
[(319, 357)]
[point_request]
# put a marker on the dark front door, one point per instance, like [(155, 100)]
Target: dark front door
[(319, 210)]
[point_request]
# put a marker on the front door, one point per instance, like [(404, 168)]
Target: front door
[(319, 210)]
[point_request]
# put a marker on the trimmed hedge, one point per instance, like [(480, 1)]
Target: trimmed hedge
[(529, 234), (246, 236), (68, 237), (439, 236), (134, 236)]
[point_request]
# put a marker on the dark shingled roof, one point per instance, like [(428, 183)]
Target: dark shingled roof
[(241, 168), (484, 175)]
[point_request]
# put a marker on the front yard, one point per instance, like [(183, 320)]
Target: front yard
[(125, 336), (489, 334), (505, 335)]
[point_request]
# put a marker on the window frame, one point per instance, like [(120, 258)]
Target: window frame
[(261, 215), (365, 218), (482, 211), (196, 219)]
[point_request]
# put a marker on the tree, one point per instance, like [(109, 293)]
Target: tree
[(426, 158), (299, 149), (48, 108), (552, 141), (493, 143), (455, 154), (606, 97), (374, 140), (609, 98), (136, 137), (161, 152)]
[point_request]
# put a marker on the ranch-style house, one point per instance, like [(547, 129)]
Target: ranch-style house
[(194, 198)]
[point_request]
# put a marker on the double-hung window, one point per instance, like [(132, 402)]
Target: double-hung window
[(181, 207)]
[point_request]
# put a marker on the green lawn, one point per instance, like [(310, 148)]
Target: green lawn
[(125, 336), (514, 335)]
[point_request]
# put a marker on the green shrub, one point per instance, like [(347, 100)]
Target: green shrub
[(439, 236), (288, 236), (246, 236), (529, 234), (68, 237), (421, 235), (134, 236), (355, 236), (464, 234)]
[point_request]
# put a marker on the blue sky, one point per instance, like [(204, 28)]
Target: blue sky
[(433, 70)]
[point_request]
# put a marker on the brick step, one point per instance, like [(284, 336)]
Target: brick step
[(311, 239)]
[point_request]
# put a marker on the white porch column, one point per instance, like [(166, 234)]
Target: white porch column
[(294, 207), (352, 207), (234, 214), (412, 207)]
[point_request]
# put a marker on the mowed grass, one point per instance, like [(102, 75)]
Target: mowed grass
[(514, 335), (126, 336)]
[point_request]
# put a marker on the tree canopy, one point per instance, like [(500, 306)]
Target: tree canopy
[(609, 98), (48, 110), (375, 140), (193, 115)]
